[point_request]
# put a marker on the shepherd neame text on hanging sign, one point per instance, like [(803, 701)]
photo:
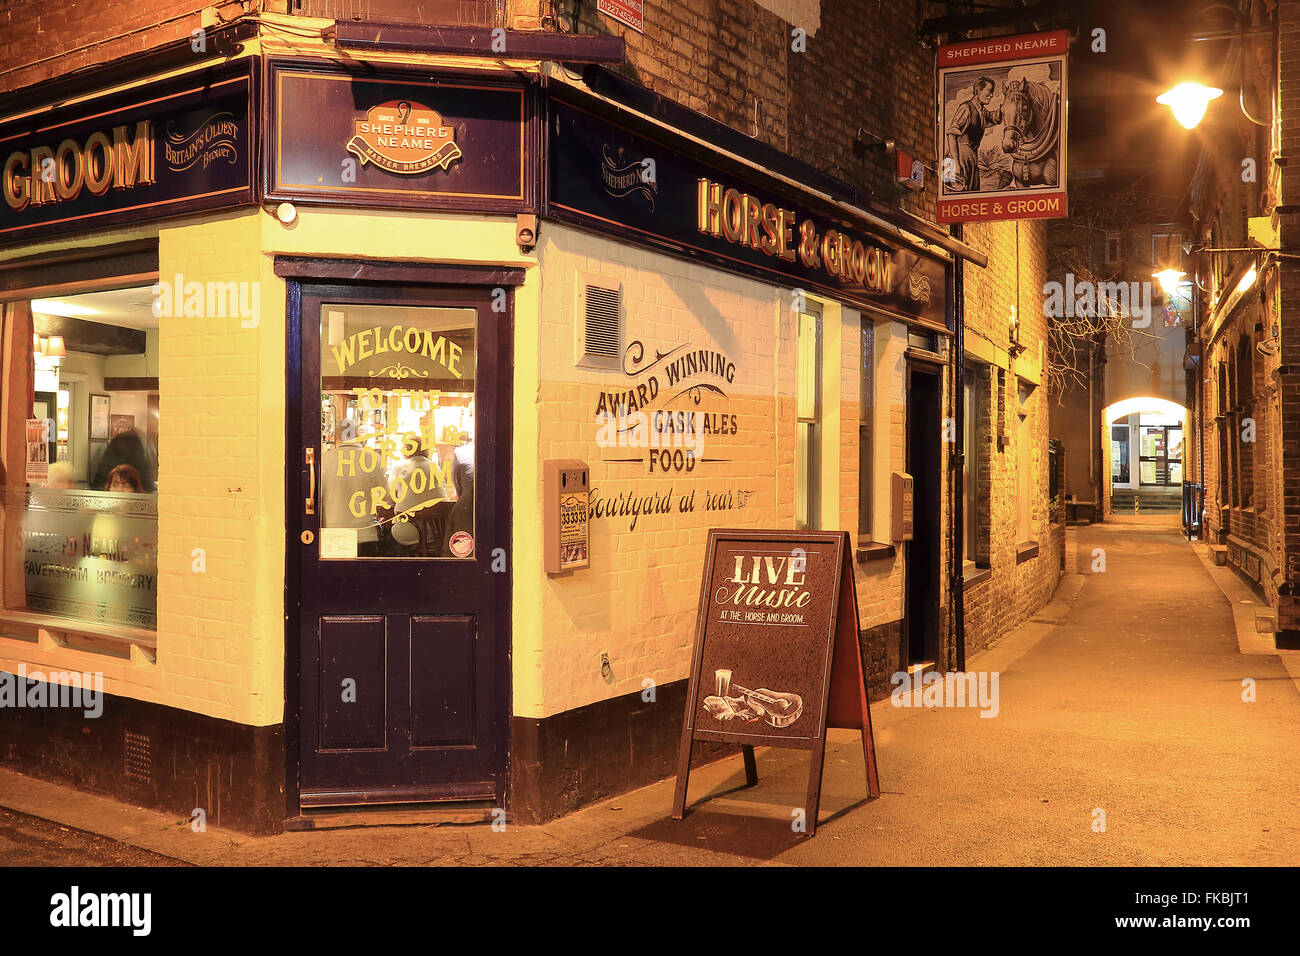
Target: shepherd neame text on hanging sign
[(1002, 128), (148, 153)]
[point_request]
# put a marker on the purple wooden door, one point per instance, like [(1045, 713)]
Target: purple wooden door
[(400, 500)]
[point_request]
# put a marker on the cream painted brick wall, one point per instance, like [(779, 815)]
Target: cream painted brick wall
[(638, 600), (221, 454)]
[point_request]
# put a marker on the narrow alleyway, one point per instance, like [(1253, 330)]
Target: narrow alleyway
[(1129, 703), (1123, 695)]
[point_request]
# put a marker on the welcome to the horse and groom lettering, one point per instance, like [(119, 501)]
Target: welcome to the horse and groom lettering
[(1002, 128), (776, 658)]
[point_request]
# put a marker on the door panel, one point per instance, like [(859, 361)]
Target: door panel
[(442, 695), (353, 657), (401, 498)]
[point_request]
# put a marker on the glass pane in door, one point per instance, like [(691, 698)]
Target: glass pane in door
[(1175, 442), (397, 432)]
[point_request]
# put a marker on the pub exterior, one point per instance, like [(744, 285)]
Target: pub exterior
[(367, 404)]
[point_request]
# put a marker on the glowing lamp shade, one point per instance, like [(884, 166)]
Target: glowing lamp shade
[(1247, 280), (55, 348), (1188, 101), (1169, 279)]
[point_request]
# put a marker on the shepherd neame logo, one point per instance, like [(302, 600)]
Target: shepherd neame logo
[(76, 909), (628, 177), (404, 137)]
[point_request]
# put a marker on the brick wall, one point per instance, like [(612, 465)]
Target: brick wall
[(860, 63), (40, 40), (1252, 495), (1014, 590)]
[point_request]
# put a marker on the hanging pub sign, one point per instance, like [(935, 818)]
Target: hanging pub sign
[(649, 191), (396, 139), (1002, 128), (148, 153), (777, 660)]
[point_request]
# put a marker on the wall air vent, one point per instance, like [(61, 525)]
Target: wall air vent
[(600, 325)]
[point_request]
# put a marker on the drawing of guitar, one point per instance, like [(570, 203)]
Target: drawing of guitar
[(772, 707)]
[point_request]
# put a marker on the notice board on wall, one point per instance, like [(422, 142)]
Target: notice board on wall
[(777, 660)]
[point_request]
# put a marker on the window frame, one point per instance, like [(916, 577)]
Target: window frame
[(808, 427), (79, 271)]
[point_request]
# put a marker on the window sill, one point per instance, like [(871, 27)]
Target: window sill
[(1026, 550), (874, 551), (973, 574), (82, 635)]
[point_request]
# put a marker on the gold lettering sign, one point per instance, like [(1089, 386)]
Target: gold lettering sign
[(404, 137), (398, 340), (50, 174), (740, 218)]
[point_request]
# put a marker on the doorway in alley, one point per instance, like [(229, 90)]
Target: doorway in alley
[(922, 553)]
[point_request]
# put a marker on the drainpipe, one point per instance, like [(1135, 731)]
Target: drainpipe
[(1093, 475), (956, 502)]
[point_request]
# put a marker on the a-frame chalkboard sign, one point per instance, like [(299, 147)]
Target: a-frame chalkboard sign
[(777, 660)]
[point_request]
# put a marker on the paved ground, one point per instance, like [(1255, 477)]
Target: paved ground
[(30, 841), (1122, 697)]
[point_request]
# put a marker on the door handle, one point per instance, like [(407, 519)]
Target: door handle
[(310, 505)]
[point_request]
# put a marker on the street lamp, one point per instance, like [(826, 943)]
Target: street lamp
[(1247, 280), (1189, 101), (1169, 279)]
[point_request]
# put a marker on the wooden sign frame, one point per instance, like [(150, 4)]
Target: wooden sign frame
[(843, 691)]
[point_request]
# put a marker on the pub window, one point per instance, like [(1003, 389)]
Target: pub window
[(1024, 466), (807, 459), (866, 409), (1245, 410), (977, 442), (398, 434), (83, 492), (918, 339), (1221, 425)]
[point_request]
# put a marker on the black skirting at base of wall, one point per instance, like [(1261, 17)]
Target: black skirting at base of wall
[(577, 757), (565, 761), (883, 655), (154, 756), (176, 761)]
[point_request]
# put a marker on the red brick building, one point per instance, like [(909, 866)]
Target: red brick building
[(1246, 352)]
